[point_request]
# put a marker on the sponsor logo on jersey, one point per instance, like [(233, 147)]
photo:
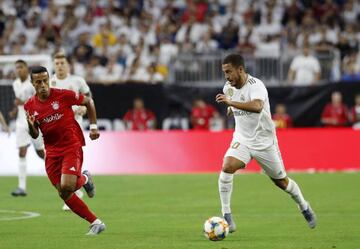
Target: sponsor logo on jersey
[(241, 113), (35, 113), (242, 98), (53, 117), (72, 168), (55, 105)]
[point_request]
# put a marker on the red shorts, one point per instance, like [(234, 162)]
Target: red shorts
[(68, 163)]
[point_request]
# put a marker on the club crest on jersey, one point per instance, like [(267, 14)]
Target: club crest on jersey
[(242, 98), (55, 105), (230, 92)]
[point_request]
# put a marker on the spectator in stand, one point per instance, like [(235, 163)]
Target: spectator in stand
[(281, 118), (351, 67), (201, 114), (139, 118), (304, 69), (335, 114), (355, 113)]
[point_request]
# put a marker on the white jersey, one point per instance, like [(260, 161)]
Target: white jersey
[(23, 91), (254, 130), (74, 83)]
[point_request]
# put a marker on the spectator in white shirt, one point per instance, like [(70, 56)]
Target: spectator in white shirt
[(304, 69)]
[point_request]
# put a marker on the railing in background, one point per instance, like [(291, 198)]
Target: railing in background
[(205, 69)]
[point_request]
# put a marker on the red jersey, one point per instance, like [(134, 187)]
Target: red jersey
[(201, 117), (139, 119), (338, 113), (56, 120), (282, 121)]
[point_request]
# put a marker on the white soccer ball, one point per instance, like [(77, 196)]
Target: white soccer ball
[(216, 228)]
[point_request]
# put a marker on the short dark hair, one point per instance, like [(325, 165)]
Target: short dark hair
[(234, 59), (22, 62), (38, 69)]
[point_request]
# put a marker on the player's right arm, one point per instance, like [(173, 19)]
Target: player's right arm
[(33, 125)]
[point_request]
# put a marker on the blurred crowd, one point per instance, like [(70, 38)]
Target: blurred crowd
[(111, 41)]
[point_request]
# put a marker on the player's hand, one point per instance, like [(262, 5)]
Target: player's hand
[(94, 134), (221, 98), (30, 118)]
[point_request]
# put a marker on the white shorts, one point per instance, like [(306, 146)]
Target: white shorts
[(23, 138), (269, 159)]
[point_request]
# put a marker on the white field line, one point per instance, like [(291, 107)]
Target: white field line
[(25, 215)]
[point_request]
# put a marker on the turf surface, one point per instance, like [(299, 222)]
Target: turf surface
[(168, 211)]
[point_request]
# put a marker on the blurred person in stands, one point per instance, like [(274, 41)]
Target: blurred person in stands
[(62, 79), (304, 69), (201, 114), (281, 118), (335, 114), (3, 124), (139, 118), (355, 113), (351, 67), (23, 90)]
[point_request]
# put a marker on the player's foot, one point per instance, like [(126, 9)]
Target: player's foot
[(89, 186), (18, 192), (79, 193), (95, 229), (310, 217), (229, 219)]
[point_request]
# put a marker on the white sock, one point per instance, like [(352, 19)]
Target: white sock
[(295, 192), (97, 221), (225, 190), (22, 173)]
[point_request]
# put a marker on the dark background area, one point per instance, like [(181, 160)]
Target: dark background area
[(304, 104)]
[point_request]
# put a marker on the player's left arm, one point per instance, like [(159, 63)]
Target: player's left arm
[(255, 105), (258, 95), (90, 105)]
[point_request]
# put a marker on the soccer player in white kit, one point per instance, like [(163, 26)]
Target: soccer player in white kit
[(254, 137), (62, 79), (23, 90)]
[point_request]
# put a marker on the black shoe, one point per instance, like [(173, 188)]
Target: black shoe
[(89, 186), (18, 192), (310, 217)]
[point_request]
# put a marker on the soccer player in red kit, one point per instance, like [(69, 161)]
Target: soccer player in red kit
[(50, 110)]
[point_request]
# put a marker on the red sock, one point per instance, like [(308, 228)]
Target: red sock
[(80, 182), (79, 207)]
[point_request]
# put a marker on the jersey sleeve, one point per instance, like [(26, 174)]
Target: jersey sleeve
[(71, 98), (84, 88), (16, 91), (258, 91)]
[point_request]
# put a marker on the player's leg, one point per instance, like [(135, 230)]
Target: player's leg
[(22, 142), (236, 157), (71, 180), (271, 162)]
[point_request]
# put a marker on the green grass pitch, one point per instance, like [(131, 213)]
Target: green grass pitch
[(168, 211)]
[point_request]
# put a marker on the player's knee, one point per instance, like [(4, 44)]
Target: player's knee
[(231, 165), (281, 183), (67, 187), (22, 152), (40, 153)]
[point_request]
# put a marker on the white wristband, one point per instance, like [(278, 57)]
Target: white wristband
[(93, 127)]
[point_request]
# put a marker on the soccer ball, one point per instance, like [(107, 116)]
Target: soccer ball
[(216, 228)]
